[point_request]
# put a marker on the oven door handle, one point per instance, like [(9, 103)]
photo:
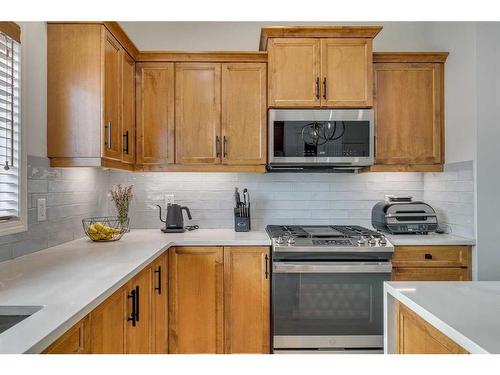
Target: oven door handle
[(308, 267)]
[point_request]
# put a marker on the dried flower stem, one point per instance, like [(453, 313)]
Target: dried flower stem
[(122, 195)]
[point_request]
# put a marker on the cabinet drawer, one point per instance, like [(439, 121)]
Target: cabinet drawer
[(430, 274), (431, 256)]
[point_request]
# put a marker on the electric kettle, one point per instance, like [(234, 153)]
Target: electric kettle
[(174, 222)]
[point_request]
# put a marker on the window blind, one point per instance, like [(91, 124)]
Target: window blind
[(10, 173)]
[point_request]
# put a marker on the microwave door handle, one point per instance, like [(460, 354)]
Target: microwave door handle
[(370, 267), (410, 214)]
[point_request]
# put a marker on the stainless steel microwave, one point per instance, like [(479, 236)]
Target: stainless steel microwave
[(301, 139)]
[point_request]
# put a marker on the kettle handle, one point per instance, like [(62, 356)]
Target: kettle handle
[(187, 211), (163, 221)]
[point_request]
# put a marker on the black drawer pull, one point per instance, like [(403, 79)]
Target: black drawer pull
[(132, 317), (158, 272), (428, 256), (137, 304)]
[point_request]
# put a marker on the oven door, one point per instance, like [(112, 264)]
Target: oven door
[(316, 137), (318, 305)]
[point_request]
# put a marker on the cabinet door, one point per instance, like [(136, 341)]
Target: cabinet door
[(246, 300), (160, 305), (347, 72), (409, 113), (244, 114), (430, 274), (139, 336), (155, 113), (128, 108), (75, 341), (196, 300), (294, 72), (197, 113), (107, 325), (112, 133), (416, 336)]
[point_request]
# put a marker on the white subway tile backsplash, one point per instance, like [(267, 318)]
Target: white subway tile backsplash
[(277, 198), (451, 193), (71, 194)]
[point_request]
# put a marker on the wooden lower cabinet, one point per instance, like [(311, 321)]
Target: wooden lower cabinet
[(432, 263), (159, 302), (416, 336), (246, 300), (107, 324), (196, 300), (75, 341), (219, 300), (188, 300), (430, 274)]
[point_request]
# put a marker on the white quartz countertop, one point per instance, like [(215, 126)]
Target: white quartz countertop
[(71, 279), (428, 239), (467, 312)]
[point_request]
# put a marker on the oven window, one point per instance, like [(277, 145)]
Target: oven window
[(328, 304), (321, 138)]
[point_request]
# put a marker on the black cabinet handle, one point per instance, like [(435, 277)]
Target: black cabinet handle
[(324, 88), (107, 127), (428, 256), (217, 146), (158, 272), (137, 303), (267, 267), (132, 317), (225, 147), (125, 149), (317, 87)]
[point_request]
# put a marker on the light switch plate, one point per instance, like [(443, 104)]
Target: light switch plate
[(169, 199), (41, 209)]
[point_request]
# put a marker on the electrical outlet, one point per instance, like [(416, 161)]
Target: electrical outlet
[(41, 209), (169, 199)]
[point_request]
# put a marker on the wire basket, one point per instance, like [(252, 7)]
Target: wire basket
[(104, 229)]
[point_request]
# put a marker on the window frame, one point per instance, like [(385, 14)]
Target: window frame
[(21, 223)]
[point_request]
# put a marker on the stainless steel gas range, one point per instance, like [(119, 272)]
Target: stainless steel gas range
[(327, 288)]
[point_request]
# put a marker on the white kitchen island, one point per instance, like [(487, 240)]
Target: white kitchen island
[(466, 312)]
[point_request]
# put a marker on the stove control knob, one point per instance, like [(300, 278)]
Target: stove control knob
[(290, 240), (382, 241), (280, 240), (372, 241)]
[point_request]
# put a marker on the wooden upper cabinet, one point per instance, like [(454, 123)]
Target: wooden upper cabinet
[(128, 108), (139, 337), (196, 322), (160, 304), (108, 323), (409, 111), (294, 72), (155, 113), (246, 300), (89, 98), (198, 113), (112, 132), (244, 113), (320, 66), (346, 72), (74, 114)]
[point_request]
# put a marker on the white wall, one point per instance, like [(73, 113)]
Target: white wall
[(488, 156), (34, 86), (244, 36), (459, 39)]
